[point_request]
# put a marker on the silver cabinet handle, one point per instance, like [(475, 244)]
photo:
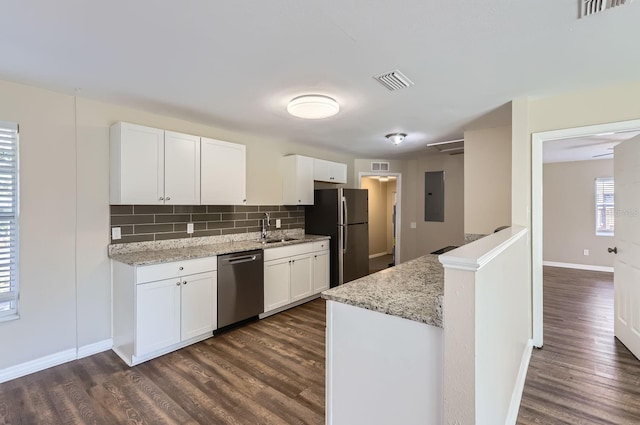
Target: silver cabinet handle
[(177, 283), (184, 283), (180, 268), (168, 199), (161, 198)]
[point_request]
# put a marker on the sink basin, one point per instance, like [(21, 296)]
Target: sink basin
[(278, 240)]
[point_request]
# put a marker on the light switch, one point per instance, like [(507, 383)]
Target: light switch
[(278, 223), (413, 225), (116, 233), (189, 228)]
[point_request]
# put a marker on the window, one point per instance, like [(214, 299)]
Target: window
[(604, 206), (8, 221)]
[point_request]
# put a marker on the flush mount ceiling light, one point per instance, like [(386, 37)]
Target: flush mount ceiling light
[(396, 138), (313, 106)]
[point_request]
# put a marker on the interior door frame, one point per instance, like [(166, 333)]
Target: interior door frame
[(398, 177), (537, 142)]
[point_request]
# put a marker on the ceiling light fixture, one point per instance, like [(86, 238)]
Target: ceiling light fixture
[(313, 106), (384, 179), (396, 138)]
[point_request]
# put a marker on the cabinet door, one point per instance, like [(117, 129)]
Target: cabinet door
[(301, 276), (181, 169), (137, 164), (224, 176), (199, 304), (321, 170), (337, 172), (320, 271), (276, 283), (157, 315), (297, 180)]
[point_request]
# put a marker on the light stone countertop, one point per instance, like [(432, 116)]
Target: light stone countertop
[(178, 253), (413, 290)]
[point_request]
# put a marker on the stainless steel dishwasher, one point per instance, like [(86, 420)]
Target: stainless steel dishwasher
[(240, 287)]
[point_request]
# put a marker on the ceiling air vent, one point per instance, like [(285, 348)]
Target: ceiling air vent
[(394, 80), (591, 7), (379, 166)]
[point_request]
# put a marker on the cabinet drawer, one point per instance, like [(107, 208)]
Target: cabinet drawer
[(321, 245), (174, 269), (287, 251)]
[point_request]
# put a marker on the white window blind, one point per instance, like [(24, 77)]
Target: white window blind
[(8, 220), (604, 206)]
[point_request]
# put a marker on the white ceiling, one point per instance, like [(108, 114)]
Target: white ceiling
[(235, 64), (585, 148)]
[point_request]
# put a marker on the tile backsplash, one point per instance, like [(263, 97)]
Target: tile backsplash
[(140, 223)]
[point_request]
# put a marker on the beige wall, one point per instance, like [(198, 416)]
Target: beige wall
[(65, 293), (377, 214), (427, 236), (569, 213), (487, 180), (47, 223)]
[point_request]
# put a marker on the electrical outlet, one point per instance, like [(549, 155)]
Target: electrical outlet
[(413, 225), (189, 228), (116, 233), (278, 223), (586, 252)]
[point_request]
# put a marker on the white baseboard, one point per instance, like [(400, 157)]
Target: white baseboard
[(516, 396), (37, 365), (578, 266), (52, 360), (95, 348), (380, 254)]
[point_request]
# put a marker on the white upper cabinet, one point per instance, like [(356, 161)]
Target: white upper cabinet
[(150, 166), (297, 180), (181, 169), (137, 164), (223, 168), (329, 171)]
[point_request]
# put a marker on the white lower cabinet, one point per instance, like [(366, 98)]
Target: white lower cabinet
[(294, 272), (321, 269), (161, 308)]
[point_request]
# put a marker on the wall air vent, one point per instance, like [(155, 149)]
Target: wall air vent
[(394, 80), (591, 7), (379, 166)]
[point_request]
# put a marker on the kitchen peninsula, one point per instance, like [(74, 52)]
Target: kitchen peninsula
[(385, 344)]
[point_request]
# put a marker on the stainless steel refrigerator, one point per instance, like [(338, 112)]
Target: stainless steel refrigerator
[(342, 214)]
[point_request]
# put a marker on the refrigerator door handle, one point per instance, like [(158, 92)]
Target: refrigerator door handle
[(345, 211), (345, 230), (341, 255)]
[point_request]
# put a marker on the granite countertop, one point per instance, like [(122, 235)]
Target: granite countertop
[(413, 290), (178, 253)]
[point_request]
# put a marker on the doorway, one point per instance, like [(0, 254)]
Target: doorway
[(537, 150), (384, 218)]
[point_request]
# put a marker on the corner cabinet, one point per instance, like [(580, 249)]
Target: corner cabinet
[(329, 171), (295, 272), (297, 180), (150, 166), (161, 308), (223, 168)]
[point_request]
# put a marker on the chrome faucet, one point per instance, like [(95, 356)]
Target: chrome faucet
[(265, 225)]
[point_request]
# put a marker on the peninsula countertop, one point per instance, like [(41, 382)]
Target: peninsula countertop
[(168, 252), (413, 290)]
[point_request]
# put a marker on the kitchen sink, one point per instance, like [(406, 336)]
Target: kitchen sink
[(278, 240)]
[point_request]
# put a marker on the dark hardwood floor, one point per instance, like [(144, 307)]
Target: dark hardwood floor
[(267, 372), (272, 372), (582, 375)]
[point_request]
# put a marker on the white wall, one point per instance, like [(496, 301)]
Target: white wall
[(569, 213), (65, 289), (487, 180), (487, 328)]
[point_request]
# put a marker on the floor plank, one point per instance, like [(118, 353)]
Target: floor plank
[(583, 374)]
